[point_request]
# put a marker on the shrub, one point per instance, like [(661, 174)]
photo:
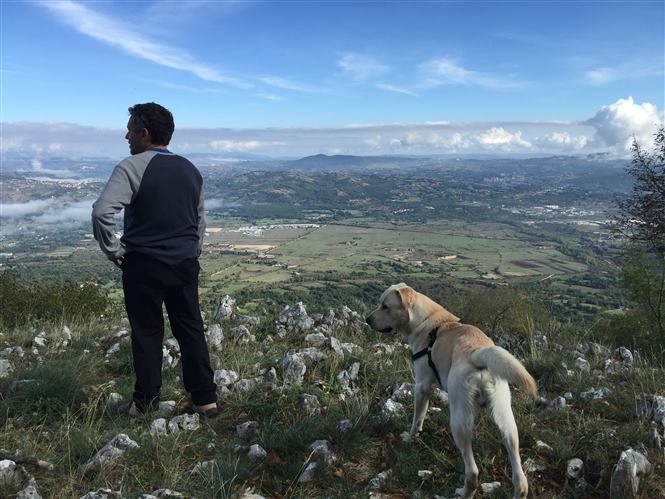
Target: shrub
[(501, 310), (50, 390), (25, 301)]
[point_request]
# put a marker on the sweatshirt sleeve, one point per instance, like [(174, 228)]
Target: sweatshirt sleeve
[(202, 221), (117, 194)]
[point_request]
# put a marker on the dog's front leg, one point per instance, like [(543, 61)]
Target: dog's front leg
[(421, 395)]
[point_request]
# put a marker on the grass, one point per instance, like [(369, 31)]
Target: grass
[(59, 417)]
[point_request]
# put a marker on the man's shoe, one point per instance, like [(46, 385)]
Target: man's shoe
[(208, 411), (132, 409)]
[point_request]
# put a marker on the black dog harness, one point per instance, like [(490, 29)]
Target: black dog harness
[(428, 351)]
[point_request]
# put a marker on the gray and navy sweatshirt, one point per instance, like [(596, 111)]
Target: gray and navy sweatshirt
[(162, 195)]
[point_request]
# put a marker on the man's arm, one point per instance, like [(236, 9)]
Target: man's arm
[(202, 221), (116, 195)]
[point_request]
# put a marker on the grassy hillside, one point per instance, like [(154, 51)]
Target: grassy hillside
[(525, 257), (53, 407)]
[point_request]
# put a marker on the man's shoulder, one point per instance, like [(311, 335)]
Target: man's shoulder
[(183, 160), (138, 157), (143, 159), (136, 163)]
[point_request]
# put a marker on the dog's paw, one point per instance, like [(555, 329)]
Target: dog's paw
[(406, 436), (462, 493)]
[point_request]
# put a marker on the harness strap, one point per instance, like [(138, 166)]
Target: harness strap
[(428, 351)]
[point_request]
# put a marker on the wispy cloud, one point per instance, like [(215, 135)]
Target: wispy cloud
[(271, 97), (185, 88), (361, 67), (69, 213), (530, 39), (18, 210), (52, 214), (627, 71), (38, 167), (398, 90), (115, 34), (600, 76), (446, 71), (243, 145), (611, 129), (286, 84)]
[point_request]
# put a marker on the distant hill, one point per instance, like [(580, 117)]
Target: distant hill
[(323, 162)]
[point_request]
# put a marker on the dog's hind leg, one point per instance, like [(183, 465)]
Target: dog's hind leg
[(502, 415), (461, 424)]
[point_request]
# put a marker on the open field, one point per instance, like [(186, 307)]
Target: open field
[(294, 232), (488, 251), (357, 252)]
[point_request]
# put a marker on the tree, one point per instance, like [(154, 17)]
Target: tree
[(641, 216), (641, 219), (644, 281)]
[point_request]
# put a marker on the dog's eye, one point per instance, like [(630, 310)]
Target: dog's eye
[(384, 306)]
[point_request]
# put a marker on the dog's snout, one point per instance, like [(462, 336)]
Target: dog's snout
[(369, 320)]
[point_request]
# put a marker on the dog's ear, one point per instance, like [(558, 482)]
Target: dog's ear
[(407, 296)]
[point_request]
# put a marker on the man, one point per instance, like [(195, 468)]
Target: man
[(164, 222)]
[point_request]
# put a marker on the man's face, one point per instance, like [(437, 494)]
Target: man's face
[(137, 140)]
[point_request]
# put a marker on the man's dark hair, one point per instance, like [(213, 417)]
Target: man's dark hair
[(156, 119)]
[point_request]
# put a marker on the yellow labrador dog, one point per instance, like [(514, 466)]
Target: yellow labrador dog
[(465, 362)]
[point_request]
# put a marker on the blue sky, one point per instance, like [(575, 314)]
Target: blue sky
[(291, 78)]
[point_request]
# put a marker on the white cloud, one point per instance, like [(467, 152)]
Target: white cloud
[(601, 76), (46, 214), (130, 41), (38, 167), (398, 90), (279, 82), (640, 66), (242, 145), (10, 143), (498, 137), (18, 210), (373, 142), (609, 131), (439, 141), (423, 138), (66, 213), (617, 124), (361, 67), (495, 139), (445, 71), (272, 97), (563, 141), (64, 139), (459, 142)]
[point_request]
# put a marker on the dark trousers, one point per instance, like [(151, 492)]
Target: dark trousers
[(148, 283)]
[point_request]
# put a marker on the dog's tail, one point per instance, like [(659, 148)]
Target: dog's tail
[(503, 365)]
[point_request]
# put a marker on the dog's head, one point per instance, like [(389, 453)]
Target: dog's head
[(403, 309), (394, 311)]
